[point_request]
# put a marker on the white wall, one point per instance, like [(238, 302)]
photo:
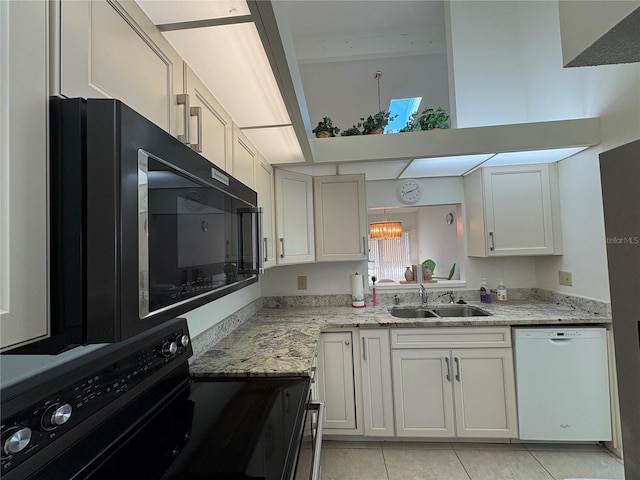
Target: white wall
[(326, 278), (439, 240)]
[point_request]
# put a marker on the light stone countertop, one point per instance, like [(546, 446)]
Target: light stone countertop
[(283, 341)]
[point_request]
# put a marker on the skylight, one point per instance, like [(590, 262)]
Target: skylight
[(403, 108)]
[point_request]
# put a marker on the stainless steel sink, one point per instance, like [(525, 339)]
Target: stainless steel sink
[(412, 312), (439, 312), (460, 311)]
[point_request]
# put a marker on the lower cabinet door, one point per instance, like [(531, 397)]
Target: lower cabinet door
[(422, 393), (377, 398), (336, 385), (485, 399)]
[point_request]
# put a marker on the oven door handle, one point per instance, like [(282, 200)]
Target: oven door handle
[(318, 407)]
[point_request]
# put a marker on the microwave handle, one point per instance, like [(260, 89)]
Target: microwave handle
[(258, 263)]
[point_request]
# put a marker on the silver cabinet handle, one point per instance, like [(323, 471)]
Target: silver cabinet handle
[(446, 360), (183, 99), (365, 247), (197, 112), (457, 360), (282, 248), (364, 348), (264, 243), (492, 244), (347, 342)]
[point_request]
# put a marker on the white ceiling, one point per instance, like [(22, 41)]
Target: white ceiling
[(338, 45)]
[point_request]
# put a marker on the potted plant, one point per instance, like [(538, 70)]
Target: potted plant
[(429, 119), (375, 125), (351, 131), (325, 128)]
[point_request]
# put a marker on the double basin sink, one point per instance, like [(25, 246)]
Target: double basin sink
[(443, 311)]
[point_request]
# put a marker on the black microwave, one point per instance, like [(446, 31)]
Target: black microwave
[(142, 228)]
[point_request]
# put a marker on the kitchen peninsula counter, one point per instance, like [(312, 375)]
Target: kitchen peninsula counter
[(283, 341)]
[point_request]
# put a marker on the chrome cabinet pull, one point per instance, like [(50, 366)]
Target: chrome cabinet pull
[(264, 243), (282, 248), (364, 348), (183, 99), (365, 247), (457, 360), (197, 112), (492, 245), (446, 360), (347, 342)]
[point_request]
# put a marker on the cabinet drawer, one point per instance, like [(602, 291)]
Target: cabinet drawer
[(453, 337)]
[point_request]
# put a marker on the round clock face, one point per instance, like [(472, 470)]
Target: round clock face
[(410, 191)]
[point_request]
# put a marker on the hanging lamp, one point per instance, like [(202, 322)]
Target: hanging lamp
[(385, 229)]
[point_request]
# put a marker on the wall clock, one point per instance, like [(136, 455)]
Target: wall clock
[(409, 191)]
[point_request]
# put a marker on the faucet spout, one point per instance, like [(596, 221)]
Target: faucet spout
[(424, 295)]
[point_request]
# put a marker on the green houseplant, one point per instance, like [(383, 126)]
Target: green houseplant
[(325, 128), (373, 125), (429, 119), (351, 131)]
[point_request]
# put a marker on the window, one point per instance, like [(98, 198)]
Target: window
[(403, 108), (389, 258)]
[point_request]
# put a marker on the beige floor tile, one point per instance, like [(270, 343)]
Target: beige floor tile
[(423, 465), (569, 464), (417, 445), (353, 464), (495, 464)]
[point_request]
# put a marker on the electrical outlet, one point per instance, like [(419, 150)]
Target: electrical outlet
[(302, 282), (565, 278)]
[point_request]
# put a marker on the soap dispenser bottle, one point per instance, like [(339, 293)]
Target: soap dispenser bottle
[(501, 292), (485, 294)]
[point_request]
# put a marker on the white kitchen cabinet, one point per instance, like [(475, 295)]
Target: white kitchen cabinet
[(422, 393), (294, 217), (467, 390), (106, 48), (336, 380), (340, 218), (377, 398), (24, 293), (210, 128), (513, 210), (266, 201), (245, 158)]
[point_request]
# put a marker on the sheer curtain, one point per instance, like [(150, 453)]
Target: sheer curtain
[(389, 257)]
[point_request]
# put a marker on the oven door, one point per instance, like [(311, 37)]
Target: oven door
[(308, 463)]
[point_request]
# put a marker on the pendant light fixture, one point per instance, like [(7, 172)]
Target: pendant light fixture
[(385, 229)]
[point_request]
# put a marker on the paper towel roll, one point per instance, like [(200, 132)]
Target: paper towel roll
[(357, 291)]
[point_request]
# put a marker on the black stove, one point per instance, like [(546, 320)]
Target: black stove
[(130, 410)]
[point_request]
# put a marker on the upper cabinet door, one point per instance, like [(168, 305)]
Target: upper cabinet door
[(266, 201), (341, 217), (111, 49), (24, 293), (513, 211), (210, 129), (294, 217), (245, 158)]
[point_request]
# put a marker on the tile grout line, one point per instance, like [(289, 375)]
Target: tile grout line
[(540, 463), (384, 459), (455, 452)]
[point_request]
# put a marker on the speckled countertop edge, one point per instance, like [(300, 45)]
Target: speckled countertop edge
[(283, 341)]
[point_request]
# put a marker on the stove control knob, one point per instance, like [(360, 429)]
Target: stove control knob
[(16, 440), (169, 348), (56, 415), (182, 340)]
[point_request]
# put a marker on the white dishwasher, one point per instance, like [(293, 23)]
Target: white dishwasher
[(562, 383)]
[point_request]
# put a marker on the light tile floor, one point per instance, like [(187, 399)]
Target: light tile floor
[(466, 461)]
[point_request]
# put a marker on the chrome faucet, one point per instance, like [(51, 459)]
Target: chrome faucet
[(424, 296)]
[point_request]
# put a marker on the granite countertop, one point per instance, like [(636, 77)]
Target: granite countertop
[(283, 341)]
